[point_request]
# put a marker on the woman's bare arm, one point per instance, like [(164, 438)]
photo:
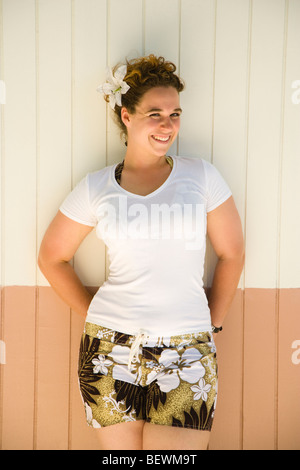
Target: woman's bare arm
[(58, 247), (225, 233)]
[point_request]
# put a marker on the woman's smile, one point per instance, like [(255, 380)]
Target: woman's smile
[(161, 139)]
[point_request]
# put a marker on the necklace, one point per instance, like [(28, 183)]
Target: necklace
[(120, 166)]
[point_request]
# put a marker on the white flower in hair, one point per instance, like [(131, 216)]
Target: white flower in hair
[(114, 86)]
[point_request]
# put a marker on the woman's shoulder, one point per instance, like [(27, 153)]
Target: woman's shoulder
[(97, 177), (192, 165), (195, 163), (191, 161)]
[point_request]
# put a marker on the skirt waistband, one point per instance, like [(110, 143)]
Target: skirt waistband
[(116, 337)]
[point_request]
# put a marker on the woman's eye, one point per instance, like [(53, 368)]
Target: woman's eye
[(156, 115)]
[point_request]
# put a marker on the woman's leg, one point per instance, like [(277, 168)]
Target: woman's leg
[(123, 436), (156, 437)]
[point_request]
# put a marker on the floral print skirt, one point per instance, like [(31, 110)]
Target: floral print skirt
[(168, 380)]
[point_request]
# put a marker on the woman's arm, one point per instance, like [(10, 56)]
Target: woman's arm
[(58, 247), (225, 233)]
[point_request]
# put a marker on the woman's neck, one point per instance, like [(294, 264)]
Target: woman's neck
[(143, 162)]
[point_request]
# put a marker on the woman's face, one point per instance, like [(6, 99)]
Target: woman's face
[(155, 124)]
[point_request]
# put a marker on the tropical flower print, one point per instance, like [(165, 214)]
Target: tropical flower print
[(101, 364), (89, 417), (186, 367), (201, 390), (171, 382)]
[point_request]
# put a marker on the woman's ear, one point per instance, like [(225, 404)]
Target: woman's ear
[(125, 116)]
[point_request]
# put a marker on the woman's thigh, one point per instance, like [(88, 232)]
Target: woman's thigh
[(156, 437), (139, 435), (123, 436)]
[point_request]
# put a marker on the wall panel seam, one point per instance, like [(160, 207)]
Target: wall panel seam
[(35, 388), (70, 401), (73, 33), (37, 129), (106, 110), (213, 82), (1, 228), (37, 83), (281, 140), (247, 108), (279, 202), (2, 151), (179, 56), (72, 89), (249, 52), (1, 367), (143, 26)]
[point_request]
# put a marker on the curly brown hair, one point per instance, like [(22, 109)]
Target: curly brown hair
[(143, 74)]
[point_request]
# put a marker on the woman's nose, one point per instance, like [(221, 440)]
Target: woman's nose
[(166, 123)]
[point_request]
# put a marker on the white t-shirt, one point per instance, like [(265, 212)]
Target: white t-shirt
[(156, 247)]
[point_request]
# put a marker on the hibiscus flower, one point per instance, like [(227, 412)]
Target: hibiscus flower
[(186, 367)]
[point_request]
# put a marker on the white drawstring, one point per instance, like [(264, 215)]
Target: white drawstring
[(135, 347)]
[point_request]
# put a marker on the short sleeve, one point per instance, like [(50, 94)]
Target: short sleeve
[(218, 190), (77, 205)]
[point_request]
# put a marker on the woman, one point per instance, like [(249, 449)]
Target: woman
[(147, 366)]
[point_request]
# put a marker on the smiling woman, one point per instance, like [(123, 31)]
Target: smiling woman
[(147, 363), (143, 74)]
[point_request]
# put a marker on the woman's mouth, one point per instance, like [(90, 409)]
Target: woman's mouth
[(160, 138)]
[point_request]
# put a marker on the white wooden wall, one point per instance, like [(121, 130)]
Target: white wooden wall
[(239, 59)]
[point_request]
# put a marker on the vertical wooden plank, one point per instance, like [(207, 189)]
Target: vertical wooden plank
[(54, 110), (88, 118), (125, 40), (19, 179), (54, 61), (230, 98), (53, 372), (197, 70), (264, 150), (260, 363), (19, 371), (89, 154), (290, 194), (197, 100), (289, 370), (229, 126), (162, 20), (2, 99), (1, 368), (228, 415), (289, 297), (89, 62), (1, 226), (125, 21)]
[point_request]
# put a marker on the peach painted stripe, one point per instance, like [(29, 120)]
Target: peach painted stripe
[(40, 405)]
